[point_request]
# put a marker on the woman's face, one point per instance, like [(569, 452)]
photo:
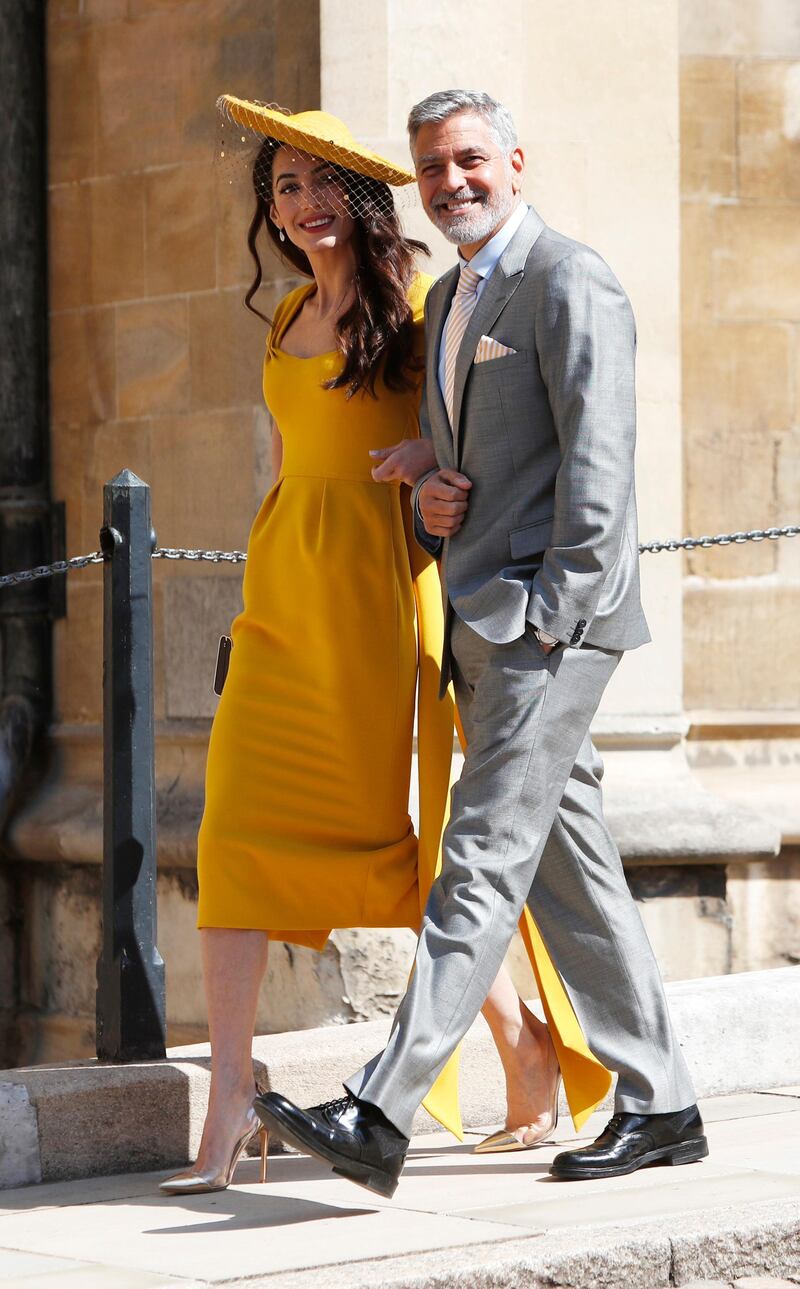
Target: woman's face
[(309, 202)]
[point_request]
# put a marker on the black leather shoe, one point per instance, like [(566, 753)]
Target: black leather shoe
[(632, 1140), (354, 1136)]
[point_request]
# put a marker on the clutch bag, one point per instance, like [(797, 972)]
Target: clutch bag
[(223, 663)]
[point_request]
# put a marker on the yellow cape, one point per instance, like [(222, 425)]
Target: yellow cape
[(586, 1080)]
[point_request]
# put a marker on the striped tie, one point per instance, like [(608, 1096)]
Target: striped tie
[(464, 301)]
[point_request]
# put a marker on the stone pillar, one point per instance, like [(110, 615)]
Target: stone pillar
[(740, 72), (740, 195), (594, 92)]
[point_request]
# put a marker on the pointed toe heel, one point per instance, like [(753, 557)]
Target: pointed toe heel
[(192, 1182), (500, 1143), (505, 1141)]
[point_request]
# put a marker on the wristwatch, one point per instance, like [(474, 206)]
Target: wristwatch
[(544, 637)]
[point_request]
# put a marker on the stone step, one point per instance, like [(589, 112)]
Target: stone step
[(84, 1119), (457, 1219)]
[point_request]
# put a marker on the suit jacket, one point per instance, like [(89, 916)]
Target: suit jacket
[(546, 434)]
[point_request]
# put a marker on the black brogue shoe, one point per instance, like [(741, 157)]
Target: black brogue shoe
[(632, 1140), (354, 1136)]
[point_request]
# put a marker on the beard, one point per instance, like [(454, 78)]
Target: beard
[(477, 223)]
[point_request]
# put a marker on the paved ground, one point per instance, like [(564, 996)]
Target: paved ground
[(457, 1219)]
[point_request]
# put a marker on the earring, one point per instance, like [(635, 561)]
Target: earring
[(281, 235)]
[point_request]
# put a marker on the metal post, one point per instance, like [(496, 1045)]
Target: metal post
[(131, 1012)]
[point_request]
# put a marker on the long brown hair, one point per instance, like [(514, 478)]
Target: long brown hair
[(376, 332)]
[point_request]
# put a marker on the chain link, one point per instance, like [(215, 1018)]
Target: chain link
[(238, 557), (213, 557), (51, 570), (722, 539)]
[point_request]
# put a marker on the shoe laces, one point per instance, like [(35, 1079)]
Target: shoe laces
[(615, 1123), (333, 1109)]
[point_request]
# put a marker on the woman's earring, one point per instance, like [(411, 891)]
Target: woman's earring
[(281, 235)]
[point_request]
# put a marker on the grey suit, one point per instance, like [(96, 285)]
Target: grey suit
[(546, 434)]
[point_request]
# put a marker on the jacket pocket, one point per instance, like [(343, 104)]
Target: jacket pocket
[(533, 539), (483, 362)]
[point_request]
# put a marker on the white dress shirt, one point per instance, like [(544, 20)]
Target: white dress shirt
[(484, 262)]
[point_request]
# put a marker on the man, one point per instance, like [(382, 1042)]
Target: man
[(531, 409)]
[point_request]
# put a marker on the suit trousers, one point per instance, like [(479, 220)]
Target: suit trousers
[(526, 824)]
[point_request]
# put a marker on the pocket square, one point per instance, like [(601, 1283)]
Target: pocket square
[(489, 348)]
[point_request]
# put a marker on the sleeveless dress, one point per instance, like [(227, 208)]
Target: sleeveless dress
[(306, 824)]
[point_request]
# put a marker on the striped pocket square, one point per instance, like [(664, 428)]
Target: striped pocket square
[(489, 348)]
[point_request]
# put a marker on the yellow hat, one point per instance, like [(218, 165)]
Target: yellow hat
[(317, 133)]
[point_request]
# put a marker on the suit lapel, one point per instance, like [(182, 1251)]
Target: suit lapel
[(494, 297), (445, 289), (499, 289)]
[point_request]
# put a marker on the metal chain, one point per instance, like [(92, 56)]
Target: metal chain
[(238, 557), (722, 539), (214, 557), (51, 570)]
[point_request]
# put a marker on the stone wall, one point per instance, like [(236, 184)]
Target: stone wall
[(49, 1014), (703, 920), (740, 187), (156, 365)]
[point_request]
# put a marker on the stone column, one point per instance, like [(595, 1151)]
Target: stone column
[(740, 189), (594, 92)]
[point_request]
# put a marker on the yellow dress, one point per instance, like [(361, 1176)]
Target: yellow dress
[(306, 824)]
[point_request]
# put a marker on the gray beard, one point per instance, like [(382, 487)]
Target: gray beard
[(478, 223)]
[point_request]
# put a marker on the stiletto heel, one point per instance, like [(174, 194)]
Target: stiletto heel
[(191, 1182), (264, 1135)]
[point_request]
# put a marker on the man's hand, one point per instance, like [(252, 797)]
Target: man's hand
[(403, 462), (442, 501)]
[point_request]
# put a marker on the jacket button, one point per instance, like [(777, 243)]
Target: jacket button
[(581, 622)]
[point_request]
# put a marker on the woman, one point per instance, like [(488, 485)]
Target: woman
[(306, 822)]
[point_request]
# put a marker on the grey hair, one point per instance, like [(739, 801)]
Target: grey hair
[(445, 103)]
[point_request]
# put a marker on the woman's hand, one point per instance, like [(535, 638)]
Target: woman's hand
[(403, 462)]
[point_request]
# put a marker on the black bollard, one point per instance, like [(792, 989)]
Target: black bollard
[(131, 1010)]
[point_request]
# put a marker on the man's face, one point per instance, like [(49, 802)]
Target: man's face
[(467, 185)]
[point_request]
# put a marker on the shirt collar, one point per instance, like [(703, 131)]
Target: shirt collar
[(486, 259)]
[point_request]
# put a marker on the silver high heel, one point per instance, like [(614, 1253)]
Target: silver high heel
[(191, 1182), (508, 1139)]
